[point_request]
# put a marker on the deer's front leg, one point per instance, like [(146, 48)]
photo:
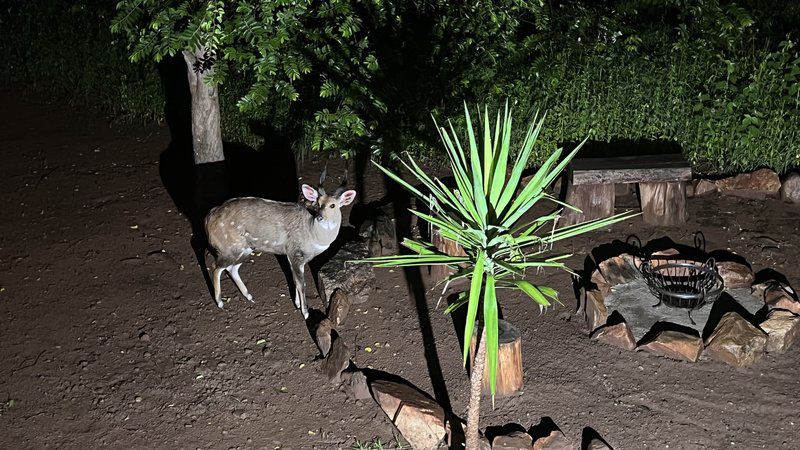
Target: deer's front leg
[(297, 263)]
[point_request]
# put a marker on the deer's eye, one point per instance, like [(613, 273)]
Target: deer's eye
[(332, 205)]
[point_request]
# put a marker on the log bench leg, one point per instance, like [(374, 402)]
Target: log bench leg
[(595, 201), (663, 203)]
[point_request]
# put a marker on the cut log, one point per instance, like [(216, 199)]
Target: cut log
[(444, 245), (594, 200), (338, 307), (509, 361), (323, 334), (663, 203)]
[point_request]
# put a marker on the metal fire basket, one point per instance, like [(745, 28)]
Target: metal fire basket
[(683, 284)]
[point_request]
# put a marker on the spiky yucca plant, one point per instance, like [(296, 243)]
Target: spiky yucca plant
[(485, 214)]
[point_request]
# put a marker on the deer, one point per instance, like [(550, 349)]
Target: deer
[(243, 225)]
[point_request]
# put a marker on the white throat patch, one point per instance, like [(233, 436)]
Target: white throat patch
[(328, 224)]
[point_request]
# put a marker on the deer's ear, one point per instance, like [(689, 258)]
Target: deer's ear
[(310, 193), (347, 197)]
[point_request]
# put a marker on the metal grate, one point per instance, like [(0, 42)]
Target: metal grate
[(682, 284)]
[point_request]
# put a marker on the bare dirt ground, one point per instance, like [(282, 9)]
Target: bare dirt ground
[(110, 338)]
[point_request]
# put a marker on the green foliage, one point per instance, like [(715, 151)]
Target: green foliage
[(717, 77), (483, 215), (377, 444), (65, 46)]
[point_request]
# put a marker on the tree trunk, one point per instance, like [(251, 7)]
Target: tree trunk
[(475, 385), (206, 130)]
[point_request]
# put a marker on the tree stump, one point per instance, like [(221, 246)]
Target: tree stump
[(509, 361), (595, 201), (663, 203), (444, 245)]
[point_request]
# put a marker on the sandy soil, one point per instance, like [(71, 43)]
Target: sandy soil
[(110, 338)]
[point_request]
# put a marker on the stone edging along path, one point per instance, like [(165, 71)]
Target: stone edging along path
[(733, 340)]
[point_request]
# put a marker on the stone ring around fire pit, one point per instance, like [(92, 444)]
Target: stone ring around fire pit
[(738, 328)]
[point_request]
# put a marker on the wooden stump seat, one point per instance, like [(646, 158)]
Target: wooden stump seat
[(591, 187)]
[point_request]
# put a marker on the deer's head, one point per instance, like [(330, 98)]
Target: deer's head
[(328, 207)]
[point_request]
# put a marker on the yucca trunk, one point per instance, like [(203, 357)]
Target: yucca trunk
[(475, 393)]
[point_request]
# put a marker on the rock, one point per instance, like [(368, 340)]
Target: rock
[(144, 337), (618, 335), (380, 232), (777, 296), (341, 272), (675, 345), (419, 419), (735, 275), (338, 307), (736, 341), (515, 440), (338, 360), (595, 310), (782, 328), (758, 184), (323, 334), (703, 187), (355, 384), (598, 280), (790, 188), (554, 441), (618, 269)]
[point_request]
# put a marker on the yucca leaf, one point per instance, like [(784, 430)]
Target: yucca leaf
[(532, 291), (521, 161), (490, 322), (474, 299), (460, 301)]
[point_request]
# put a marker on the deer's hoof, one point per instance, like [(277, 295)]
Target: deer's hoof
[(249, 298)]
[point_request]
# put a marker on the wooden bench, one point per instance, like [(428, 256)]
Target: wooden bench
[(661, 179)]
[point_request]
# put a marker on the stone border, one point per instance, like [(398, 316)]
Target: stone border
[(734, 341)]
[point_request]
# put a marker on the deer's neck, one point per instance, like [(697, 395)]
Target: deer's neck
[(325, 229)]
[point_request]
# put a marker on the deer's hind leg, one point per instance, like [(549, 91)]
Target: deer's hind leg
[(234, 273), (216, 280)]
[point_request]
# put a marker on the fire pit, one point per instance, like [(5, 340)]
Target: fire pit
[(685, 285)]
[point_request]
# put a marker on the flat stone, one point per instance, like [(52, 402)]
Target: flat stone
[(595, 310), (764, 182), (341, 272), (338, 308), (323, 335), (703, 187), (355, 384), (736, 341), (782, 328), (336, 361), (618, 269), (419, 419), (790, 188), (618, 335), (735, 275), (554, 441), (674, 344), (515, 440), (634, 302)]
